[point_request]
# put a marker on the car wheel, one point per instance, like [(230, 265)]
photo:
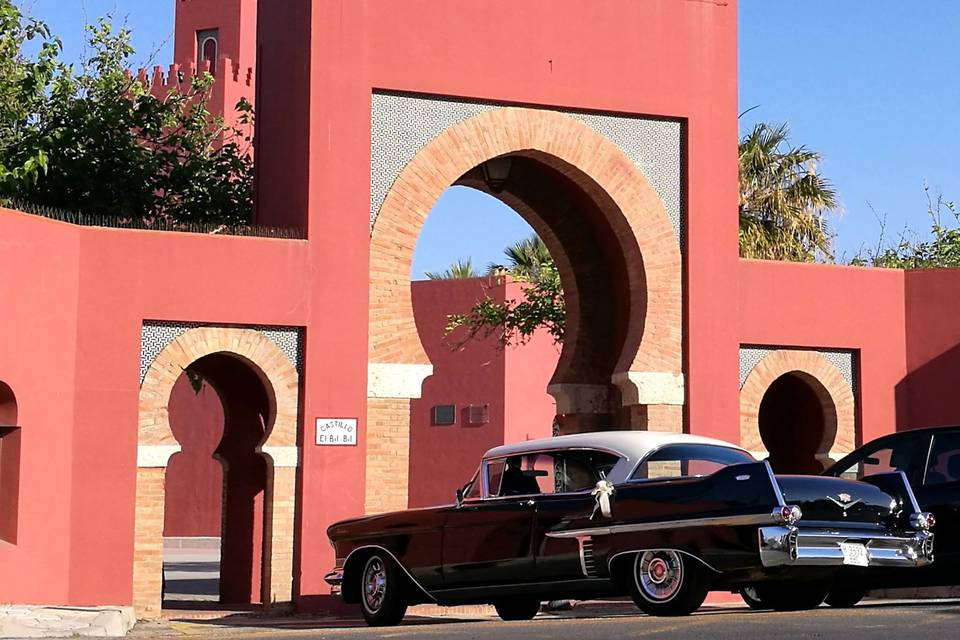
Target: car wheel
[(749, 595), (791, 596), (517, 608), (668, 583), (845, 597), (382, 596)]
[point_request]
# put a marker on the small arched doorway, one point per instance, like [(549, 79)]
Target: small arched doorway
[(9, 464), (793, 422), (242, 364), (220, 410), (798, 410)]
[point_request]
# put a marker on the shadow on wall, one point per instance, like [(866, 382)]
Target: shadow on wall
[(930, 394)]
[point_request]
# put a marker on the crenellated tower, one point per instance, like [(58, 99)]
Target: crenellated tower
[(208, 30)]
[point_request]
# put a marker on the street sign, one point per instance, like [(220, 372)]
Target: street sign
[(337, 432)]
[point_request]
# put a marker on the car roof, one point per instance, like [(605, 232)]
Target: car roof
[(912, 432), (633, 445)]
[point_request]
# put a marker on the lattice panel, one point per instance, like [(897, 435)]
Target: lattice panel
[(155, 336), (843, 360), (402, 124)]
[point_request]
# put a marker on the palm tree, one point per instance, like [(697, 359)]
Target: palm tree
[(459, 270), (525, 259), (783, 200)]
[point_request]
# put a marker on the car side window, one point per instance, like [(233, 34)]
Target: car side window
[(520, 477), (686, 460), (494, 470), (900, 454), (549, 472), (944, 463)]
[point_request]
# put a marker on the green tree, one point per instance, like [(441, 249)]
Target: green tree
[(940, 248), (524, 259), (93, 140), (515, 321), (460, 270), (784, 202)]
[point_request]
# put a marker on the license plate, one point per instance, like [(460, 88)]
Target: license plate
[(854, 554)]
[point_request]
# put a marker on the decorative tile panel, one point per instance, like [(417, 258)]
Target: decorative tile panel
[(156, 335), (402, 124), (843, 360)]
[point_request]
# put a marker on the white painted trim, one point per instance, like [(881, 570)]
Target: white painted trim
[(650, 387), (391, 380), (155, 455), (282, 456)]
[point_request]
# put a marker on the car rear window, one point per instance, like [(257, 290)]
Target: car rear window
[(686, 460)]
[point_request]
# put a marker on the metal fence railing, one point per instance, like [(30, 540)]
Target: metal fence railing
[(111, 222)]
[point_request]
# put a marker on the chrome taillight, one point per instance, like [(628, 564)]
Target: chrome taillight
[(922, 521), (788, 513)]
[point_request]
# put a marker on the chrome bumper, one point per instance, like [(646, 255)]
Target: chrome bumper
[(335, 580), (796, 546)]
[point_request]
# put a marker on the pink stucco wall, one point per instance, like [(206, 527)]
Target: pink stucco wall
[(511, 382)]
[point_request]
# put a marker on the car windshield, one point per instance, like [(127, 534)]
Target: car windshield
[(685, 460)]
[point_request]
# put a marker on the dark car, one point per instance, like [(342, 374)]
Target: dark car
[(930, 459), (662, 517)]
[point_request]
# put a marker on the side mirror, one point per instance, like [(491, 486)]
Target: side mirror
[(460, 497)]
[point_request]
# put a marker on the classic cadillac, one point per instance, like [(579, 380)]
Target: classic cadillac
[(663, 517)]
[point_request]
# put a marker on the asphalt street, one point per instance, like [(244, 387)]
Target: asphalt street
[(870, 621)]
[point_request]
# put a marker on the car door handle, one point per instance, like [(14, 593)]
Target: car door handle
[(528, 503)]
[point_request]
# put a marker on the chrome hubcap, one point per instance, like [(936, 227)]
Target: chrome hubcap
[(374, 584), (659, 574)]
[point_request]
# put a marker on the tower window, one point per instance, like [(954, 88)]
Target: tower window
[(208, 48)]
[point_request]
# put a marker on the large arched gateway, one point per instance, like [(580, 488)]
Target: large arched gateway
[(615, 248)]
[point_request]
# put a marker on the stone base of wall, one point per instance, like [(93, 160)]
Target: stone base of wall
[(18, 621)]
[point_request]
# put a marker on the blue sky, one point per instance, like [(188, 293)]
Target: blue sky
[(871, 85)]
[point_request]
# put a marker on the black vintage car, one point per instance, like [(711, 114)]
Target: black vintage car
[(930, 459), (663, 517)]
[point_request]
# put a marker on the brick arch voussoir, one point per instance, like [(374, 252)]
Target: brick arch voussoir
[(587, 157), (831, 388), (249, 345)]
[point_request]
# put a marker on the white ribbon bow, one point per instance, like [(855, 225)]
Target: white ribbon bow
[(602, 492)]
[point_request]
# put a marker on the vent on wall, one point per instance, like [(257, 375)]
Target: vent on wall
[(477, 414), (444, 414)]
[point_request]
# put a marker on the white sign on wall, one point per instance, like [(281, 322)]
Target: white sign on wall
[(336, 431)]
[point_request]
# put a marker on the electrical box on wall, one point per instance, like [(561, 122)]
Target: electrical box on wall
[(443, 414)]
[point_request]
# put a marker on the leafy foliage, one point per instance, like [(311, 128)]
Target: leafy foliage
[(515, 321), (460, 270), (525, 258), (784, 202), (940, 249), (95, 141)]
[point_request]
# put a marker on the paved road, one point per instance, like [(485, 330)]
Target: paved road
[(940, 620)]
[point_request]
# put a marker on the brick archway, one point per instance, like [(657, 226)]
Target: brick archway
[(156, 443), (833, 392), (648, 369)]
